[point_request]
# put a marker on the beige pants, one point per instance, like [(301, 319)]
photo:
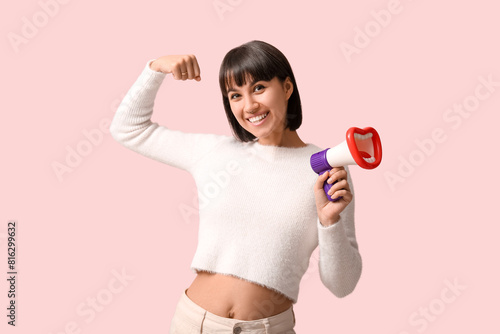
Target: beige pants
[(190, 318)]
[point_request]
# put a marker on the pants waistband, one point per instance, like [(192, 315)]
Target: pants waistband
[(280, 322)]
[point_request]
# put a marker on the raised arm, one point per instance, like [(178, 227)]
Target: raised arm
[(132, 126)]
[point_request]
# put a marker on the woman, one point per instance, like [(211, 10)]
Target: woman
[(264, 209)]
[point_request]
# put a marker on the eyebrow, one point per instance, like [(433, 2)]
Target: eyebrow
[(232, 89)]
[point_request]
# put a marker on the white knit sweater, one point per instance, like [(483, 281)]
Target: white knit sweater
[(258, 218)]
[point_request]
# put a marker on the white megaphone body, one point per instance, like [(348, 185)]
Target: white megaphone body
[(361, 147)]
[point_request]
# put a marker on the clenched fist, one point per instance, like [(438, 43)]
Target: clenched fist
[(328, 211), (182, 67)]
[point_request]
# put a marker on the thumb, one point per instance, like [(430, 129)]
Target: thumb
[(318, 186), (319, 192)]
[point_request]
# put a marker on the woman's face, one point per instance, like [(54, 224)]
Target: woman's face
[(260, 107)]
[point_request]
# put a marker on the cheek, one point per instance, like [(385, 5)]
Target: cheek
[(279, 105), (277, 100), (237, 113)]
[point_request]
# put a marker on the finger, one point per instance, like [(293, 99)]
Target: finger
[(179, 70), (336, 169), (176, 72), (319, 192), (318, 186), (346, 195), (196, 68), (184, 70), (337, 175), (338, 186), (189, 68)]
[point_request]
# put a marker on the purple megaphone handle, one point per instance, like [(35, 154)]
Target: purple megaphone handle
[(320, 165)]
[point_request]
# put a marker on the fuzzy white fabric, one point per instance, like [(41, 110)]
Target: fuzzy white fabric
[(258, 218)]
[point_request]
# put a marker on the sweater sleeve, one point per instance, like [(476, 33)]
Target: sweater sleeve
[(132, 127), (339, 259)]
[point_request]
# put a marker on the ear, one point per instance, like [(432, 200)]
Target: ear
[(288, 87)]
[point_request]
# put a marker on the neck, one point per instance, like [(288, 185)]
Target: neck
[(287, 139)]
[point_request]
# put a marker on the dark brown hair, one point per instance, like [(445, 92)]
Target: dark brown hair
[(259, 61)]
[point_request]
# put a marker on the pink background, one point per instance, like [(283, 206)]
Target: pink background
[(117, 210)]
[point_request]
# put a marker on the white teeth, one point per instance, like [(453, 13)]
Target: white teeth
[(361, 137), (258, 118), (370, 159)]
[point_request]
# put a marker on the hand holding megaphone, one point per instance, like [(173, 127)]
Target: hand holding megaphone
[(361, 147)]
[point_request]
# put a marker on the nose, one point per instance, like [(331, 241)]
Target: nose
[(251, 106)]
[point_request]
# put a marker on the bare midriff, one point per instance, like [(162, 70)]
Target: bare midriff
[(231, 297)]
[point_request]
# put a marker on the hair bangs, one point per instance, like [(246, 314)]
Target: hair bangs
[(242, 67)]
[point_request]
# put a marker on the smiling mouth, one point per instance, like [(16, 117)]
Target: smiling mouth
[(258, 118)]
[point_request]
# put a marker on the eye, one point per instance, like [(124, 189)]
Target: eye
[(235, 95), (258, 86)]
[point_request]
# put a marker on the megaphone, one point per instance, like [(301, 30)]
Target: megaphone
[(361, 147)]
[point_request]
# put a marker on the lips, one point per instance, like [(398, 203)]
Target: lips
[(365, 146), (262, 113)]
